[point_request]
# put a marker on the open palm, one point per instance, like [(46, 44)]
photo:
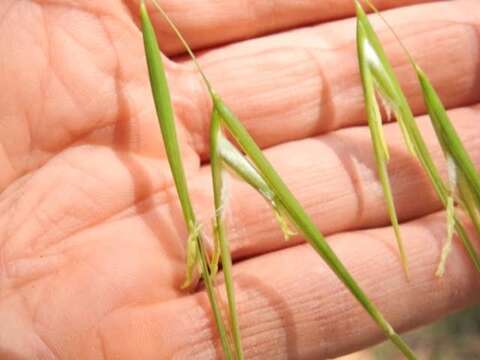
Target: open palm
[(92, 240)]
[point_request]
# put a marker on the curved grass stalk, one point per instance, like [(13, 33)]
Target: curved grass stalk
[(295, 211), (163, 105), (462, 173), (219, 199)]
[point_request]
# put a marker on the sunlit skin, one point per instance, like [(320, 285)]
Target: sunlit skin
[(92, 239)]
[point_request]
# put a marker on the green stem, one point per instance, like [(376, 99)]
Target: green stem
[(212, 298), (216, 167), (303, 221)]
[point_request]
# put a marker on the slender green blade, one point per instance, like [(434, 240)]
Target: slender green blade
[(448, 137), (163, 105), (165, 114)]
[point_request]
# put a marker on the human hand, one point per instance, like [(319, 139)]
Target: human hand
[(91, 233)]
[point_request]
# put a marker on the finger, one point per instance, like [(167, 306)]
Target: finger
[(211, 23), (334, 177), (302, 83), (80, 190), (291, 305)]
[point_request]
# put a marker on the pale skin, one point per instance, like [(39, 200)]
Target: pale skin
[(92, 240)]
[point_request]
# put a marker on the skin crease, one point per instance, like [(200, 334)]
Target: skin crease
[(91, 234)]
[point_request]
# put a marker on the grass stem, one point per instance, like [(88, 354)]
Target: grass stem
[(220, 231)]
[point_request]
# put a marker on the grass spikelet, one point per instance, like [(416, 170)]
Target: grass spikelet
[(448, 137), (459, 165), (163, 105), (462, 173), (376, 77)]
